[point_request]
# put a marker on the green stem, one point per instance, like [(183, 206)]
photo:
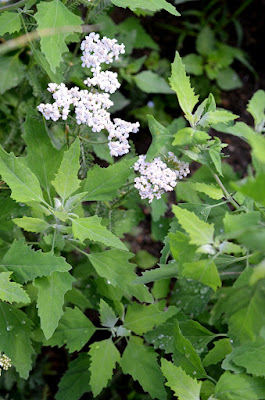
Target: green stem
[(91, 142), (13, 6), (227, 195), (77, 248), (211, 379)]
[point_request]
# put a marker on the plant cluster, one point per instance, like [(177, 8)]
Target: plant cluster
[(193, 327)]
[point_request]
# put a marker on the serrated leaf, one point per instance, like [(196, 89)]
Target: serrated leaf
[(204, 271), (91, 228), (55, 17), (12, 291), (140, 362), (28, 264), (50, 300), (190, 136), (15, 340), (23, 183), (66, 181), (30, 224), (184, 387), (200, 232), (104, 356), (10, 22), (12, 72), (150, 5), (221, 348), (161, 138), (107, 315), (102, 183), (75, 382), (164, 272), (256, 107), (150, 82), (181, 248), (141, 318), (114, 266), (42, 158), (180, 83), (239, 386), (215, 117), (252, 187), (74, 330), (212, 191), (236, 225)]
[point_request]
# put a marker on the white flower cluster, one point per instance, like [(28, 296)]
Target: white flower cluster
[(91, 106), (5, 363), (156, 177)]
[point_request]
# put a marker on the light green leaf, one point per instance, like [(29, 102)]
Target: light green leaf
[(150, 5), (256, 108), (183, 386), (141, 318), (193, 64), (75, 382), (11, 291), (180, 83), (200, 232), (10, 22), (60, 23), (42, 158), (181, 248), (23, 183), (236, 225), (211, 190), (102, 183), (239, 387), (144, 259), (215, 117), (114, 266), (205, 41), (204, 271), (104, 357), (107, 315), (66, 181), (161, 139), (74, 330), (197, 334), (150, 82), (30, 224), (164, 272), (91, 228), (28, 264), (189, 136), (252, 187), (12, 72), (140, 362), (50, 300), (227, 79), (221, 348), (15, 340)]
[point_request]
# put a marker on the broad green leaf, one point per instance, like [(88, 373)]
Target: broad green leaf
[(75, 382), (23, 183), (253, 188), (10, 22), (239, 387), (180, 83), (197, 334), (181, 248), (204, 271), (91, 228), (183, 386), (205, 41), (28, 264), (158, 209), (144, 259), (200, 232), (211, 190), (256, 108), (164, 272), (30, 224), (221, 348), (114, 266), (150, 82), (50, 301), (74, 330), (15, 340), (42, 158), (140, 362), (66, 181), (236, 225), (60, 23), (12, 72), (190, 136), (217, 116), (102, 183), (141, 318), (107, 315), (251, 356), (11, 291), (227, 79), (161, 139), (104, 356), (163, 336), (150, 5), (193, 64)]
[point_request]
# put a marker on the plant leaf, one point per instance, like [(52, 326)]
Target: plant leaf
[(12, 291), (150, 5), (30, 224), (161, 139), (150, 82), (256, 107), (107, 315), (10, 22), (221, 348), (12, 72), (204, 271)]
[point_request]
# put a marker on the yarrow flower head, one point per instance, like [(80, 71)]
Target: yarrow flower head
[(5, 362), (91, 106), (158, 177)]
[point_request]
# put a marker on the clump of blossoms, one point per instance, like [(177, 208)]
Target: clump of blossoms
[(5, 363), (91, 106), (158, 177)]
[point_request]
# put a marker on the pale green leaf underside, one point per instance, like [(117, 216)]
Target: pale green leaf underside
[(30, 224)]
